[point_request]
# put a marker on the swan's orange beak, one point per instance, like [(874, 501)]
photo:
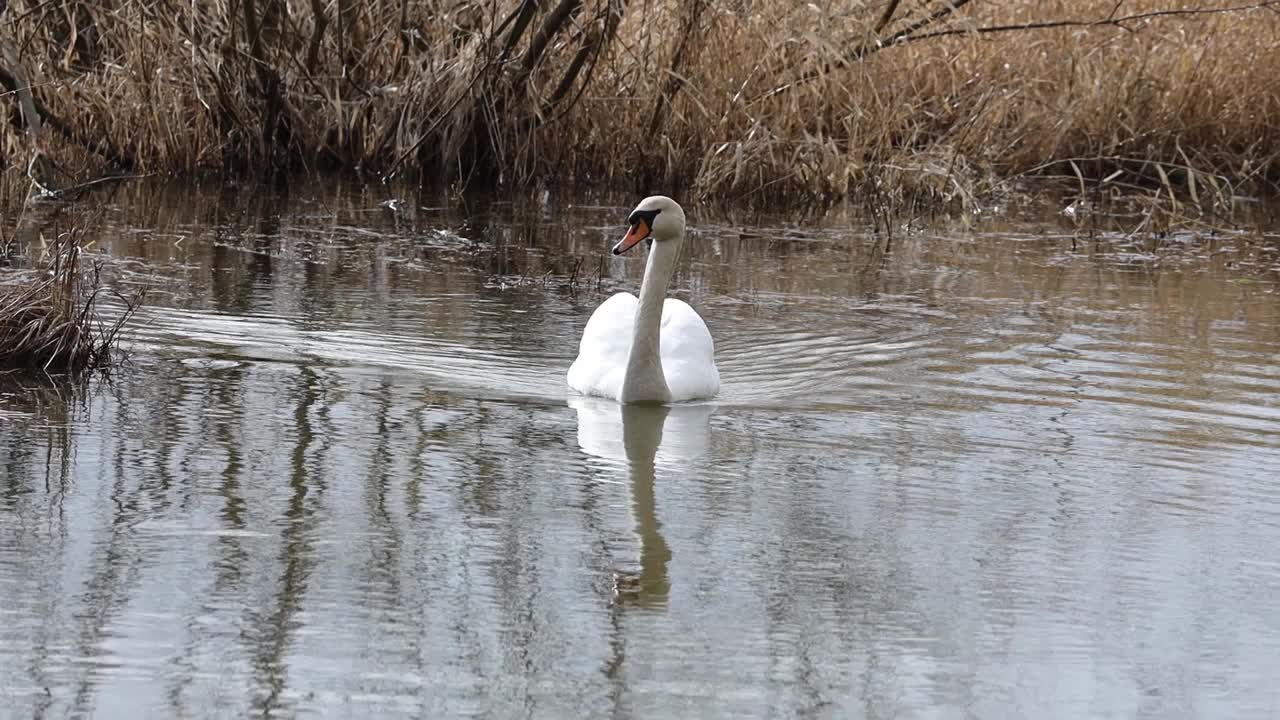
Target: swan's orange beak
[(639, 231)]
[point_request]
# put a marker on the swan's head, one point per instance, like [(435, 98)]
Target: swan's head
[(657, 218)]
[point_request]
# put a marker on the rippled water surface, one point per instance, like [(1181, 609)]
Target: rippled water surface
[(984, 469)]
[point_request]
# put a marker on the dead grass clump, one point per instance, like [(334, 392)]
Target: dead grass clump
[(50, 321), (757, 98), (1147, 93)]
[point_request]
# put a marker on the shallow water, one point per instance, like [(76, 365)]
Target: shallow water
[(989, 468)]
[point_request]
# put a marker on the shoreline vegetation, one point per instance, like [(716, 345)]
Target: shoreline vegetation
[(903, 104), (49, 319), (760, 100)]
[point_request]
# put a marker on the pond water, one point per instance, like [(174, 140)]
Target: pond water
[(983, 467)]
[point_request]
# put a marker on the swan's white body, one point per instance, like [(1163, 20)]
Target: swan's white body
[(686, 351), (650, 348)]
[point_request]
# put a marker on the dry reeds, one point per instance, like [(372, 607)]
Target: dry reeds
[(50, 321), (760, 98)]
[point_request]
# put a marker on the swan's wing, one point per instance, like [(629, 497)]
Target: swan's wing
[(606, 342), (688, 353)]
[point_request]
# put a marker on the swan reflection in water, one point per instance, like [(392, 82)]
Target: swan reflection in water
[(641, 443)]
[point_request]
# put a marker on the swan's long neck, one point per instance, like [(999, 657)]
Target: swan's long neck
[(645, 381)]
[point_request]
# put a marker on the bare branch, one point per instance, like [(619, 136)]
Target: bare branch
[(34, 112), (317, 34), (911, 33), (931, 19), (1111, 20), (523, 16), (551, 25), (592, 48), (674, 79), (886, 16), (869, 47)]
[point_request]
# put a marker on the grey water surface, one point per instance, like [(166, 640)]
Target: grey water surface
[(982, 467)]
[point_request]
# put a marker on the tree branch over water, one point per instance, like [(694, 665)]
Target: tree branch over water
[(912, 32), (1272, 5)]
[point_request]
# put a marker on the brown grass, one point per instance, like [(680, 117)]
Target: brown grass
[(49, 320), (760, 98)]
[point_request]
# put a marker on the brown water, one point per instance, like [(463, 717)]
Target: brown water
[(970, 472)]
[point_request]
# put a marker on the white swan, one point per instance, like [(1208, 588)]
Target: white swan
[(654, 349)]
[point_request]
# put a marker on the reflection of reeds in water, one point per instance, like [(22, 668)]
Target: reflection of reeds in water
[(50, 321)]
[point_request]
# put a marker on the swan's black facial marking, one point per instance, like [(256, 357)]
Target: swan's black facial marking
[(641, 228), (648, 216)]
